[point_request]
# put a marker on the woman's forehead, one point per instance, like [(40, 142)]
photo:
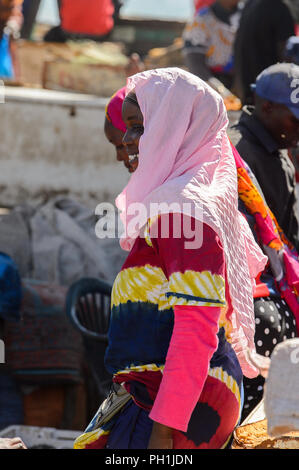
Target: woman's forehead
[(131, 111)]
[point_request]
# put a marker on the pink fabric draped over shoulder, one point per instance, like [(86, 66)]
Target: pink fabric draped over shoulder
[(185, 158)]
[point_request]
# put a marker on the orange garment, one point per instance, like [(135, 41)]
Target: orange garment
[(92, 17)]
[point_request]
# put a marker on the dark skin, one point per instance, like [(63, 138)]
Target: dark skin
[(279, 121), (133, 120), (161, 436), (115, 136)]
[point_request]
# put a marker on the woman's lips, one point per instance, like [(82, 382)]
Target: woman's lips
[(133, 162)]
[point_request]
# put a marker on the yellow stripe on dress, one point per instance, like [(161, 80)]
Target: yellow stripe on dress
[(228, 380), (140, 284), (88, 438), (143, 368), (201, 285)]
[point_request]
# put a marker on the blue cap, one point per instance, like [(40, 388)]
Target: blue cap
[(279, 83), (292, 50)]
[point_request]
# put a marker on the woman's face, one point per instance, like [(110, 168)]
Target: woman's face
[(115, 136), (133, 120)]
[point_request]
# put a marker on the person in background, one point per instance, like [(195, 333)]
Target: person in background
[(291, 54), (264, 29), (208, 46), (262, 136), (115, 129), (117, 8), (276, 293), (80, 19), (30, 10), (10, 24)]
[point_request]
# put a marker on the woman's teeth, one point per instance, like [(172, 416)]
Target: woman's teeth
[(132, 157)]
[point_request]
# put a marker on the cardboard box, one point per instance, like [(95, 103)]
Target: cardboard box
[(100, 80)]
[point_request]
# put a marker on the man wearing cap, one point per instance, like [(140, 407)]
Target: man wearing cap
[(263, 135)]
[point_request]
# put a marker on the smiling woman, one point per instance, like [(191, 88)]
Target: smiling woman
[(115, 128), (182, 318)]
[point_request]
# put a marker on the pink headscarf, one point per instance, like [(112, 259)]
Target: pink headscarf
[(185, 157), (114, 109)]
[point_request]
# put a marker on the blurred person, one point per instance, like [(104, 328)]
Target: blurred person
[(117, 8), (208, 46), (80, 19), (262, 136), (135, 65), (264, 29), (173, 351), (276, 293), (30, 10), (10, 24), (291, 54)]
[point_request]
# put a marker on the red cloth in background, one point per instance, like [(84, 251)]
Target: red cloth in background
[(93, 17), (202, 3)]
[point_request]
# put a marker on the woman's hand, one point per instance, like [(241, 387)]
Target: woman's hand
[(161, 437)]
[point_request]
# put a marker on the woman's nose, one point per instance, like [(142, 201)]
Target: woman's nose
[(126, 138)]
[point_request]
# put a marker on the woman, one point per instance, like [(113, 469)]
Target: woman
[(275, 317), (115, 128), (182, 325)]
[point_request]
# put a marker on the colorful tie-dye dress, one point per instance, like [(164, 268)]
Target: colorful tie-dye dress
[(158, 275)]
